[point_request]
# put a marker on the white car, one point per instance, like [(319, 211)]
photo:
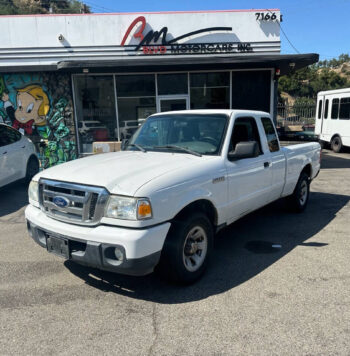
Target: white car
[(182, 177), (89, 125), (17, 156)]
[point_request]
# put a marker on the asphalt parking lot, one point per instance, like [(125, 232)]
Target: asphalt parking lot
[(254, 299)]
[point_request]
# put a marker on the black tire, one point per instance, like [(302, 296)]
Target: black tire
[(32, 169), (297, 202), (180, 253), (336, 144), (323, 144)]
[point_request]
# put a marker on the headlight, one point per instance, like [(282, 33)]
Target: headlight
[(33, 191), (126, 208)]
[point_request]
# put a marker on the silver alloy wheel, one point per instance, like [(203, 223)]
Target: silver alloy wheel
[(195, 248), (303, 192)]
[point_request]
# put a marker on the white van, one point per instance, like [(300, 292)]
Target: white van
[(333, 118)]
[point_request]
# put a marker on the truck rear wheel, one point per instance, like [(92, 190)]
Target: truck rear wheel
[(300, 197), (336, 144), (187, 249)]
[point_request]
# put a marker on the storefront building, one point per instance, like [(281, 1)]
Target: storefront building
[(67, 81)]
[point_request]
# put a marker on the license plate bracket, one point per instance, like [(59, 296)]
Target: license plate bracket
[(58, 246)]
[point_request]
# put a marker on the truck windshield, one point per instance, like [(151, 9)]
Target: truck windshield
[(199, 133)]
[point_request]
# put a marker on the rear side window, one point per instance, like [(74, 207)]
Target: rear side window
[(271, 136), (320, 108), (344, 112), (244, 130), (8, 135), (335, 109), (326, 109)]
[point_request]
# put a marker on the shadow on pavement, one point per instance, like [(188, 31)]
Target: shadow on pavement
[(234, 260), (13, 197), (334, 160)]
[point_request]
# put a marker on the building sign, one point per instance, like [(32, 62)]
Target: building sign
[(156, 42), (48, 40)]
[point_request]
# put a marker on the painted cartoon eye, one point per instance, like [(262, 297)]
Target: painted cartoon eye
[(19, 103), (30, 108)]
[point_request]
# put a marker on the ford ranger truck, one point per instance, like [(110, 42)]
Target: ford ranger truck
[(159, 202)]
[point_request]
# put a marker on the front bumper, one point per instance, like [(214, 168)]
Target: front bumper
[(94, 246)]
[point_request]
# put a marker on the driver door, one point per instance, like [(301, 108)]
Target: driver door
[(249, 179)]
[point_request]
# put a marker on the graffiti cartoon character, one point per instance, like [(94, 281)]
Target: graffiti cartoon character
[(32, 107)]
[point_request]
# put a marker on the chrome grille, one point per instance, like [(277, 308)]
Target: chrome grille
[(84, 204)]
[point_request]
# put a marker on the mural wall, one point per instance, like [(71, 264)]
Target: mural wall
[(40, 106)]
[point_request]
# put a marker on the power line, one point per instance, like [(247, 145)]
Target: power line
[(285, 35)]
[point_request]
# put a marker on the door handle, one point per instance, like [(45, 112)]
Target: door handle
[(266, 164), (23, 146)]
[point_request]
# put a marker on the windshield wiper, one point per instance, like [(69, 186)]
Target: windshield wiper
[(137, 146), (174, 147)]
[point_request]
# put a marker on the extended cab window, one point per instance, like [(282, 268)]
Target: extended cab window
[(271, 136), (244, 130)]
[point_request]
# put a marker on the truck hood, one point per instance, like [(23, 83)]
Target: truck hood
[(120, 172)]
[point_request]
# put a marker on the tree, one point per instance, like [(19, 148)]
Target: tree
[(17, 7), (307, 82)]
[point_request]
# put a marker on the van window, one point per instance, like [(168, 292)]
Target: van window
[(326, 109), (335, 108), (344, 112), (271, 136), (320, 108)]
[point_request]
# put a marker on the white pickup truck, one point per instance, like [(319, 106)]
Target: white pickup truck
[(158, 203)]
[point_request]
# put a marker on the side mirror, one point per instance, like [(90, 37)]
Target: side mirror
[(125, 142), (247, 149)]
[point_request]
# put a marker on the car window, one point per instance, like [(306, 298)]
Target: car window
[(271, 136), (245, 129), (8, 135)]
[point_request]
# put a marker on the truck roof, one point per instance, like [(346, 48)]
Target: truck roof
[(215, 111), (335, 91)]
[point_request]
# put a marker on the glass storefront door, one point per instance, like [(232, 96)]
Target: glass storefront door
[(172, 103)]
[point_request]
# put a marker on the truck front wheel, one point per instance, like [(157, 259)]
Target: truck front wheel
[(298, 200), (187, 249)]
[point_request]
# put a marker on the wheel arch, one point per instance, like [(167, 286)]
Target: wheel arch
[(335, 135), (203, 205), (33, 156), (307, 169)]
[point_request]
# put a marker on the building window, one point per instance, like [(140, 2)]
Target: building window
[(251, 90), (171, 84), (136, 101), (210, 90), (95, 108)]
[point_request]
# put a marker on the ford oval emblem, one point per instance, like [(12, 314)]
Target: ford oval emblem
[(61, 202)]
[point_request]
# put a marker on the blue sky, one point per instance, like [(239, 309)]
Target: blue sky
[(319, 26)]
